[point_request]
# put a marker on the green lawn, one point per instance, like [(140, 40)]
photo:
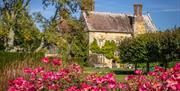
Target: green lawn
[(102, 71)]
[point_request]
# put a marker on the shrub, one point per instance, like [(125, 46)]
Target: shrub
[(70, 78)]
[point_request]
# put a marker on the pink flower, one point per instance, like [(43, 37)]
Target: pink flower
[(121, 85), (76, 68), (85, 86), (45, 60), (47, 75), (56, 61), (95, 88), (98, 80), (39, 70), (27, 70), (129, 77), (72, 88), (157, 85), (164, 76), (12, 89), (157, 68), (178, 86), (103, 89), (177, 67), (111, 85), (109, 77), (138, 72), (20, 84), (53, 87), (152, 73)]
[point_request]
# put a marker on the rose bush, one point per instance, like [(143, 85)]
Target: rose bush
[(71, 79)]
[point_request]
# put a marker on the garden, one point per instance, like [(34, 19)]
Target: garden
[(26, 38), (71, 78)]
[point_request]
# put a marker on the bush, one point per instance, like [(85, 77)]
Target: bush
[(70, 78)]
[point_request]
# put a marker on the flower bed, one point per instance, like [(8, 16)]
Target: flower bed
[(71, 78)]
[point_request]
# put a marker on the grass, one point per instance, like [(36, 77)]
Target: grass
[(120, 73)]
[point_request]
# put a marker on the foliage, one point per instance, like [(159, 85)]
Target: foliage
[(170, 46), (87, 5), (64, 8), (7, 58), (133, 50), (151, 47), (94, 47), (72, 39), (17, 27), (109, 49), (71, 79), (80, 47)]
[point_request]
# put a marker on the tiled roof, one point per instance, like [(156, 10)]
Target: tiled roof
[(111, 22)]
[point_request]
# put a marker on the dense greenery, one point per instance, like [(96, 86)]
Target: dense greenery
[(17, 28), (161, 47), (94, 47), (18, 32), (108, 49), (8, 58)]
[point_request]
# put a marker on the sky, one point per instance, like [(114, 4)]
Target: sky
[(165, 13)]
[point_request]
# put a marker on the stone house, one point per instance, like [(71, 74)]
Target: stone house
[(104, 26)]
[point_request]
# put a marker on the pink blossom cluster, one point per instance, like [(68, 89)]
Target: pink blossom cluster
[(157, 80), (71, 79)]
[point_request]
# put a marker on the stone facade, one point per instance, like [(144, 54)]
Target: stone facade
[(104, 26), (101, 37)]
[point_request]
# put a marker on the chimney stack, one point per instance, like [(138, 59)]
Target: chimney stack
[(138, 9), (139, 27)]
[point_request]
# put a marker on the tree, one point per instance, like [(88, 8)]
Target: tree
[(69, 35), (133, 50), (17, 24), (87, 5), (151, 47), (109, 49), (170, 44), (94, 47)]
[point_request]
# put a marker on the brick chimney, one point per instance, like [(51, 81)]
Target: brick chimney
[(139, 27), (138, 12)]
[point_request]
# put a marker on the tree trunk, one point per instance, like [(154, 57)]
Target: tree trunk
[(41, 45), (135, 66), (147, 65), (10, 40), (5, 43), (68, 51), (166, 65)]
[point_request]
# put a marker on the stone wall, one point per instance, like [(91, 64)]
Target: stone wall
[(101, 37)]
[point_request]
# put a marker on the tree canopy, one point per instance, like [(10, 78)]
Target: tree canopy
[(160, 47)]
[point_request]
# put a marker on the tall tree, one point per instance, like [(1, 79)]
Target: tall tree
[(69, 29), (170, 45), (17, 24), (87, 5)]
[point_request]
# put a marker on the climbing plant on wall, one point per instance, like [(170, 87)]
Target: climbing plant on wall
[(94, 47), (108, 49)]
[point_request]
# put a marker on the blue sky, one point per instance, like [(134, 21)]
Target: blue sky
[(165, 13)]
